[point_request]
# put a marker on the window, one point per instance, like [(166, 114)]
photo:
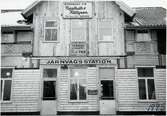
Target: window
[(7, 37), (105, 40), (49, 84), (146, 83), (79, 30), (107, 75), (6, 83), (78, 84), (143, 36), (51, 31)]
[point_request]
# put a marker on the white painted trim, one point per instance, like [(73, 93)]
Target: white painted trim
[(69, 78), (11, 92), (57, 27), (146, 85)]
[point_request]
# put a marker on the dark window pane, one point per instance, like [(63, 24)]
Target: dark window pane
[(51, 73), (49, 90), (1, 89), (7, 90), (48, 34), (142, 89), (51, 24), (54, 34), (73, 90), (107, 90), (82, 89), (6, 73), (151, 89), (145, 72)]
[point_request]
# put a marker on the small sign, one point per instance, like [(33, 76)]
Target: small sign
[(77, 10), (92, 92), (78, 49)]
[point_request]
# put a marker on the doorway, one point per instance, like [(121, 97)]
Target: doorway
[(49, 102), (107, 94)]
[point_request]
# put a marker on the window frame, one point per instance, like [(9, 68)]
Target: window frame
[(3, 79), (56, 27), (112, 79), (45, 79), (86, 31), (146, 84), (71, 78), (99, 41), (147, 32)]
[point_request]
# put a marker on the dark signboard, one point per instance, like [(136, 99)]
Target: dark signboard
[(78, 49), (92, 92)]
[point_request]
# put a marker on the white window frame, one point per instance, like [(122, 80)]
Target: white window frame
[(49, 79), (148, 33), (146, 85), (105, 41), (56, 27), (70, 78), (3, 79), (112, 79)]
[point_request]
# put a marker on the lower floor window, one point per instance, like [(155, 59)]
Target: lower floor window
[(6, 84), (146, 83), (78, 84), (78, 89), (146, 89)]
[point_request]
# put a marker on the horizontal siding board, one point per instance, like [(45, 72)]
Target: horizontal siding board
[(127, 90), (25, 92)]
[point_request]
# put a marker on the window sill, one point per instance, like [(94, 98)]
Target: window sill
[(78, 101), (147, 101), (6, 102), (51, 42)]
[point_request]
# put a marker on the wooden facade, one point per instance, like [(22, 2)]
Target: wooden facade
[(83, 64)]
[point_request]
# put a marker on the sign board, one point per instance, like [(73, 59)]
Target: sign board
[(77, 9), (78, 49), (78, 60), (92, 92)]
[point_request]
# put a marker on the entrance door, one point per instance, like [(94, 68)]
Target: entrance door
[(107, 100), (49, 92)]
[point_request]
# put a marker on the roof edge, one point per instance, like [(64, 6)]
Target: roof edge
[(121, 4)]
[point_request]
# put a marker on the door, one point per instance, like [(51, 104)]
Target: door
[(49, 92), (107, 96)]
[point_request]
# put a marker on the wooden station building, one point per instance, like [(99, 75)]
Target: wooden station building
[(83, 57)]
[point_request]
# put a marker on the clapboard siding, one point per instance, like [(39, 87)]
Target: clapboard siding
[(53, 10), (127, 90), (145, 60), (25, 92), (145, 53), (63, 97)]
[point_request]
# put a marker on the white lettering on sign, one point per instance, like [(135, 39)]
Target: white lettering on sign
[(80, 61), (78, 49), (77, 10)]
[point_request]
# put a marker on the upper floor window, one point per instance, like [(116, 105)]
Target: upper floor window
[(6, 83), (78, 29), (7, 37), (51, 31), (146, 83), (106, 39), (143, 36)]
